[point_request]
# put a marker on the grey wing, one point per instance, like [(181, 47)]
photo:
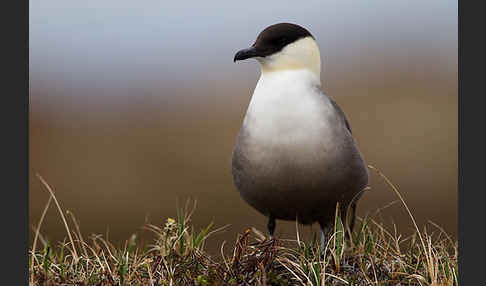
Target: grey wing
[(341, 114)]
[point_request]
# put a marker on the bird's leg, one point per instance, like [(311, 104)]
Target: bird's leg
[(349, 220), (324, 231), (353, 217), (323, 239), (271, 226)]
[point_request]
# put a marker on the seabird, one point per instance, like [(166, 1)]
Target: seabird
[(295, 157)]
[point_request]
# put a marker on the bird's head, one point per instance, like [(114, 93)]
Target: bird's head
[(284, 46)]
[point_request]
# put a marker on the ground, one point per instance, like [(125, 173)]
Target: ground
[(370, 255)]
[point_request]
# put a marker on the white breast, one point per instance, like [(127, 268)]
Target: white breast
[(288, 115)]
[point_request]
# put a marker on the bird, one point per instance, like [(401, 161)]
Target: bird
[(295, 157)]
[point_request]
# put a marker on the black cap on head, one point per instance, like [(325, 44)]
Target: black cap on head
[(272, 40)]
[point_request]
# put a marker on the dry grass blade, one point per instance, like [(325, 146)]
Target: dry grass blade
[(297, 277), (51, 192), (78, 232), (429, 260), (34, 244), (401, 199)]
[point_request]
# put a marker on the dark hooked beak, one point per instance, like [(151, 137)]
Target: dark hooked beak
[(245, 54)]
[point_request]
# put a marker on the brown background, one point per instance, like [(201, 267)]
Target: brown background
[(135, 108)]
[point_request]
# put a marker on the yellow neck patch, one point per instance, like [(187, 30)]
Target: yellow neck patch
[(302, 54)]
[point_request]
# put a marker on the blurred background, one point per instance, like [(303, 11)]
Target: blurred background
[(135, 106)]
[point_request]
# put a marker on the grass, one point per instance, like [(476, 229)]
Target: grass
[(371, 255)]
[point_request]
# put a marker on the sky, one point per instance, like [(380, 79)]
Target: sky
[(111, 45)]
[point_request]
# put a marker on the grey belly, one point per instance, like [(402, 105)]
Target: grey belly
[(288, 189)]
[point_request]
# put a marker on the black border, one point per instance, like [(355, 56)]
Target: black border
[(471, 143), (14, 138)]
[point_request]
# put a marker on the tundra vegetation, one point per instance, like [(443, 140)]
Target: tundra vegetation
[(370, 255)]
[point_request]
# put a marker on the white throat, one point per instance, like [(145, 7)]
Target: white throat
[(288, 112)]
